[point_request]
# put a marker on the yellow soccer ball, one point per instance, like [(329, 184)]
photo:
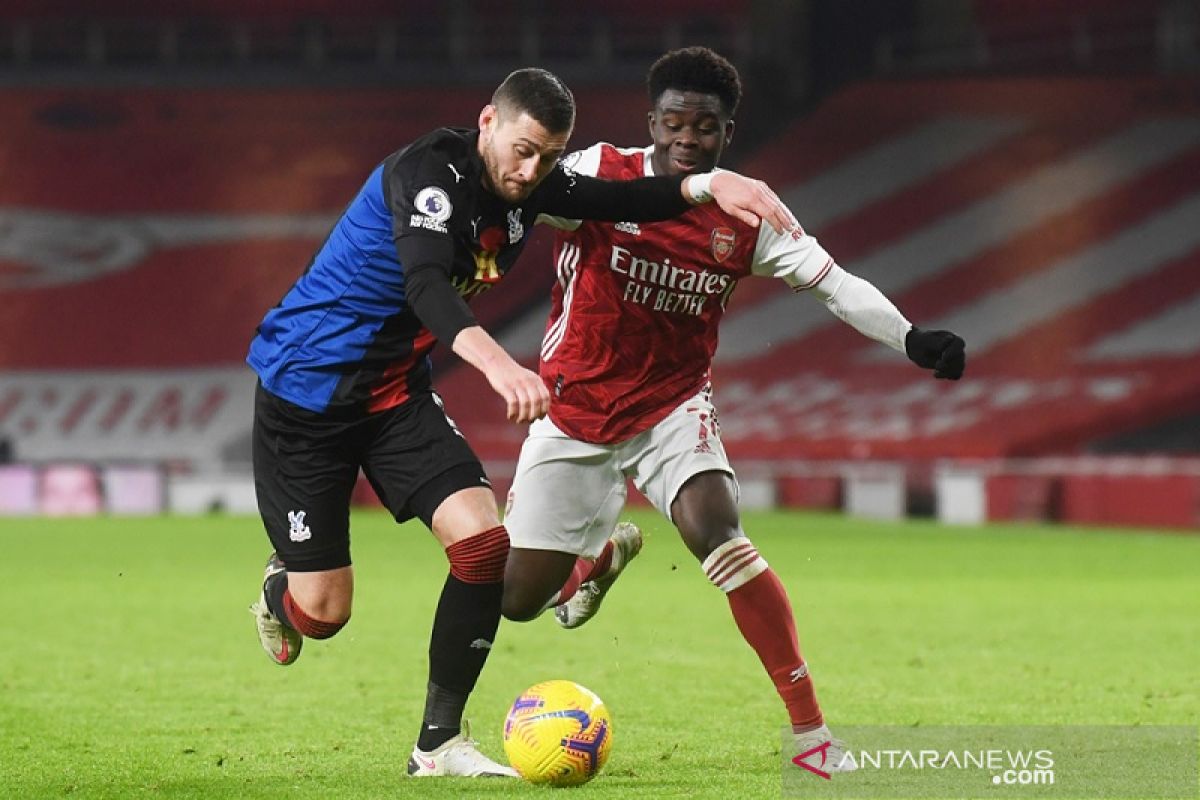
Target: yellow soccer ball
[(557, 733)]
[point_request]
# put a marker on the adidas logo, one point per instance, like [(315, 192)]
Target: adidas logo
[(628, 227)]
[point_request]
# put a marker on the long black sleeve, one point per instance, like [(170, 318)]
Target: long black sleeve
[(567, 194), (436, 302)]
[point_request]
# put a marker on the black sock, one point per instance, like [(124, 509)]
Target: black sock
[(443, 717), (464, 628), (273, 588)]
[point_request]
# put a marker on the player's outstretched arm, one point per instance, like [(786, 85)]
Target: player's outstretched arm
[(571, 196), (745, 198), (941, 351), (860, 304), (800, 261), (523, 391)]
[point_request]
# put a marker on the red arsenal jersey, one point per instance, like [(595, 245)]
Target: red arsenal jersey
[(636, 306)]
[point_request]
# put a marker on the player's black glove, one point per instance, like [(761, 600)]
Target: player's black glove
[(941, 351)]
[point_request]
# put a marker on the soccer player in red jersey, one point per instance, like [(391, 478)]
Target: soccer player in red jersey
[(626, 358), (345, 381)]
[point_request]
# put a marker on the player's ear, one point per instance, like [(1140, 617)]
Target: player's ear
[(728, 132), (487, 118), (650, 122)]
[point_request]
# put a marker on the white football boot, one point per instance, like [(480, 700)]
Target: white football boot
[(834, 758), (457, 757), (627, 543), (281, 642)]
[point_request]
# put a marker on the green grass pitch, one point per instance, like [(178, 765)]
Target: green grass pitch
[(129, 666)]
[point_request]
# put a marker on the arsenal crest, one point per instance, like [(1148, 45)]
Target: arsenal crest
[(723, 240)]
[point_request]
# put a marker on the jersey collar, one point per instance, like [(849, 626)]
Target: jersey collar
[(647, 162)]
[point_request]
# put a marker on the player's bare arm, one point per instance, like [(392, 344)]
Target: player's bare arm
[(747, 199), (522, 390), (653, 198)]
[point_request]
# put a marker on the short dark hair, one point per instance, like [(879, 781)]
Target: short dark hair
[(696, 69), (540, 94)]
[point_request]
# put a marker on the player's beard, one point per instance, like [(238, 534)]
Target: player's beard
[(494, 178)]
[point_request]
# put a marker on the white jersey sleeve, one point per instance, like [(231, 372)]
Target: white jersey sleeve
[(795, 257), (803, 264), (583, 162), (861, 305)]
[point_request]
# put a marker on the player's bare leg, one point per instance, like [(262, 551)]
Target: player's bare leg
[(706, 513), (534, 581), (293, 605), (464, 627)]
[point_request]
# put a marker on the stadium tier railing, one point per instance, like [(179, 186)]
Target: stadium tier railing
[(1063, 36)]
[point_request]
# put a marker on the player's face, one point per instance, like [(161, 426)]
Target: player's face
[(517, 151), (689, 130)]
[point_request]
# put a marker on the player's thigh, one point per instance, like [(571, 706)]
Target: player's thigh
[(566, 494), (417, 459), (304, 474), (685, 444)]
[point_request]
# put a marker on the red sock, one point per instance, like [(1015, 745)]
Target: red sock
[(601, 565), (584, 571), (308, 626), (480, 558), (764, 616)]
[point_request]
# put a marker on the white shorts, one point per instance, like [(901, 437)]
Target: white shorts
[(567, 494)]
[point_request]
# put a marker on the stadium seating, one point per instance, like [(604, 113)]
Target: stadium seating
[(143, 234), (1050, 222)]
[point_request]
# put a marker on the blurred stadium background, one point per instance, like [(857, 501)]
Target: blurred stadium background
[(1024, 172)]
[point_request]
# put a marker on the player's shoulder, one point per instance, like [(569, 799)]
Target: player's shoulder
[(603, 158), (444, 156), (441, 142), (432, 176)]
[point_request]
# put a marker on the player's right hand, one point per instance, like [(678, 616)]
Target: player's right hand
[(751, 200), (523, 391)]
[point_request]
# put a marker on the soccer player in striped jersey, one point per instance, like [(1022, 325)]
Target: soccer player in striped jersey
[(626, 358)]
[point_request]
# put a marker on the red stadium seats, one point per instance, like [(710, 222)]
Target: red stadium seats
[(1050, 222)]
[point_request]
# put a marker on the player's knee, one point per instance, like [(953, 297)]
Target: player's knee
[(703, 539), (321, 621), (521, 605)]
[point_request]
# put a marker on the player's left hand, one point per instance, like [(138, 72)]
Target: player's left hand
[(750, 201), (941, 351)]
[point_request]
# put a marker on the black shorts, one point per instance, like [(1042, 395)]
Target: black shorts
[(306, 465)]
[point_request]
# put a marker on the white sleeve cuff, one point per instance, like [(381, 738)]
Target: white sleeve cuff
[(699, 187)]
